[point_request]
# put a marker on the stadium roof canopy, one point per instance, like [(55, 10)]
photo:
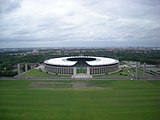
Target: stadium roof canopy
[(90, 60)]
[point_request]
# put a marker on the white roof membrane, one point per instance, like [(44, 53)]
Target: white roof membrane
[(60, 61), (64, 62)]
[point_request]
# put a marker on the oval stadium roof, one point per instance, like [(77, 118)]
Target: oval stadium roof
[(63, 61)]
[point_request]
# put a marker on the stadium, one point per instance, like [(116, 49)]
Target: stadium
[(88, 65)]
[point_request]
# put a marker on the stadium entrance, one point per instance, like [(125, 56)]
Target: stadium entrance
[(81, 70), (81, 65)]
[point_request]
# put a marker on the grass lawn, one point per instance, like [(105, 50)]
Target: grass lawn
[(38, 73), (81, 71), (126, 72), (79, 100), (123, 73)]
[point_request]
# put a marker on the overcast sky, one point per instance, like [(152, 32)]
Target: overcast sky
[(79, 23)]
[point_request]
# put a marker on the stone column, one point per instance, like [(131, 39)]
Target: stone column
[(101, 70), (26, 69), (136, 70), (144, 70), (74, 70), (88, 70), (62, 70), (19, 71)]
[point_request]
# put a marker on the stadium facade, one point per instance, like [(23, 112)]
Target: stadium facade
[(87, 64)]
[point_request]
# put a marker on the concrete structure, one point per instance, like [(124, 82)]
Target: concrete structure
[(144, 70), (19, 70), (137, 70), (26, 69), (71, 65)]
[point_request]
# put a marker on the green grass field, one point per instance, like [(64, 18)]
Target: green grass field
[(123, 73), (126, 72), (39, 73), (79, 100)]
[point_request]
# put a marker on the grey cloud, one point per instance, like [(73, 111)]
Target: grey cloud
[(7, 6), (149, 2), (87, 23), (90, 2)]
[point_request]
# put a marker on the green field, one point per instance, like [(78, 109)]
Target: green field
[(122, 73), (79, 100), (126, 72), (81, 71), (39, 73)]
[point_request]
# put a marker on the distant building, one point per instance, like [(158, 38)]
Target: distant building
[(35, 51)]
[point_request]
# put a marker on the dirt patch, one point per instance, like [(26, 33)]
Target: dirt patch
[(64, 85), (50, 85), (82, 85)]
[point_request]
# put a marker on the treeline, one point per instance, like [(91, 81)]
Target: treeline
[(9, 61), (8, 73), (150, 57)]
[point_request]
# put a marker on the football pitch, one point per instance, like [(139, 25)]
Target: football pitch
[(79, 100)]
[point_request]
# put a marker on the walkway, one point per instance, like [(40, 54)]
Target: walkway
[(81, 76)]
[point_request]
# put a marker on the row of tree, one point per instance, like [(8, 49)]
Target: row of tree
[(8, 61), (8, 73)]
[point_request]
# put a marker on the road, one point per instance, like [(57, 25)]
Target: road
[(105, 78)]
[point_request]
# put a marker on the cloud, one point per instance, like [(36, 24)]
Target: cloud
[(75, 22), (7, 6)]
